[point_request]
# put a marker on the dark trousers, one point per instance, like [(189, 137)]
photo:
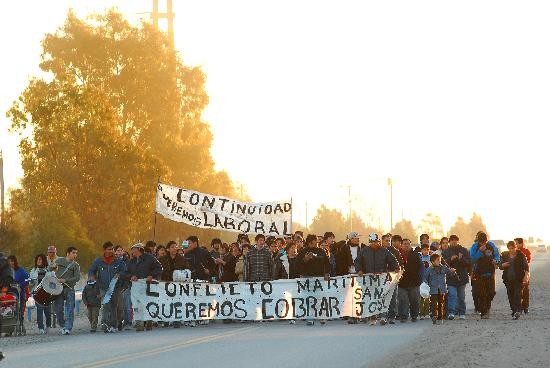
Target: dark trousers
[(409, 301), (525, 297), (437, 304), (93, 316), (483, 291), (514, 290)]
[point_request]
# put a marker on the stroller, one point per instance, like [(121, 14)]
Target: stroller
[(12, 312)]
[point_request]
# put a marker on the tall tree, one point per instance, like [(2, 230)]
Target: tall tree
[(406, 229), (431, 225), (117, 110), (467, 231)]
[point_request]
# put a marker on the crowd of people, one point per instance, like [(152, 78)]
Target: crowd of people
[(432, 284)]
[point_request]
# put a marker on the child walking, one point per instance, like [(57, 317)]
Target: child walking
[(91, 298), (424, 302), (436, 278)]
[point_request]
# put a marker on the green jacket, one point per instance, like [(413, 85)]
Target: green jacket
[(68, 270)]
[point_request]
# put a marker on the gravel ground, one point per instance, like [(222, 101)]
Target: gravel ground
[(497, 342)]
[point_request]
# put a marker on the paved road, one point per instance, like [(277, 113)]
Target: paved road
[(268, 344)]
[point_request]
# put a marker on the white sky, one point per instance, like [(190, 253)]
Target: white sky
[(451, 99)]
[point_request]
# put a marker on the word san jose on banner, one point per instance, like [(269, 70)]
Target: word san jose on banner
[(220, 213), (305, 298)]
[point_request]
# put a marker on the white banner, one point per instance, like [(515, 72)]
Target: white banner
[(307, 298), (220, 213)]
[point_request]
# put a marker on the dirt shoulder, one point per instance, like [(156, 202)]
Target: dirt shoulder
[(497, 342)]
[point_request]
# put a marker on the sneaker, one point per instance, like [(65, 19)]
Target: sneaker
[(451, 317), (517, 315), (104, 327), (113, 329), (422, 318), (323, 322), (383, 321), (373, 322), (414, 319), (391, 321), (462, 317), (292, 322), (127, 326), (65, 332), (310, 323), (41, 331), (526, 311)]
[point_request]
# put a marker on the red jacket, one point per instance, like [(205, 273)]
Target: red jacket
[(526, 252)]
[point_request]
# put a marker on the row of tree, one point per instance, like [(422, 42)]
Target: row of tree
[(328, 219)]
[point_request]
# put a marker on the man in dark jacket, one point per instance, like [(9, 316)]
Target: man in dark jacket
[(457, 257), (485, 257), (409, 284), (346, 254), (313, 262), (515, 276), (142, 266), (172, 261), (386, 243), (376, 259), (104, 270), (200, 261)]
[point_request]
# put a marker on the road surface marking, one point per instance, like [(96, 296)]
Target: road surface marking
[(163, 349)]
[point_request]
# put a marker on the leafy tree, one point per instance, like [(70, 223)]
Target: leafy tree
[(467, 231), (406, 229), (431, 225), (116, 110)]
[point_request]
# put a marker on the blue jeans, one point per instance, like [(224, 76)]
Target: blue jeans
[(127, 302), (456, 303), (42, 311), (62, 301)]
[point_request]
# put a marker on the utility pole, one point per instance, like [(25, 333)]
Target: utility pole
[(2, 220), (350, 212), (168, 15), (390, 183), (307, 227)]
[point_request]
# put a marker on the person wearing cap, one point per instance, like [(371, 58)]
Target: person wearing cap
[(348, 253), (52, 255), (386, 243), (142, 266), (376, 259)]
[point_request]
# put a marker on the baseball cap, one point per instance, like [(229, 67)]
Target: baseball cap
[(52, 248), (353, 235), (137, 245), (373, 237)]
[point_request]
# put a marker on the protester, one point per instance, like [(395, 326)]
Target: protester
[(215, 248), (515, 276), (172, 261), (52, 254), (436, 278), (457, 257), (386, 243), (126, 304), (525, 291), (104, 270), (226, 264), (299, 240), (444, 244), (409, 284), (160, 251), (258, 263), (376, 259), (67, 270), (142, 266), (425, 254), (200, 261), (313, 262), (239, 266), (42, 311), (91, 298), (485, 258), (281, 265), (424, 240)]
